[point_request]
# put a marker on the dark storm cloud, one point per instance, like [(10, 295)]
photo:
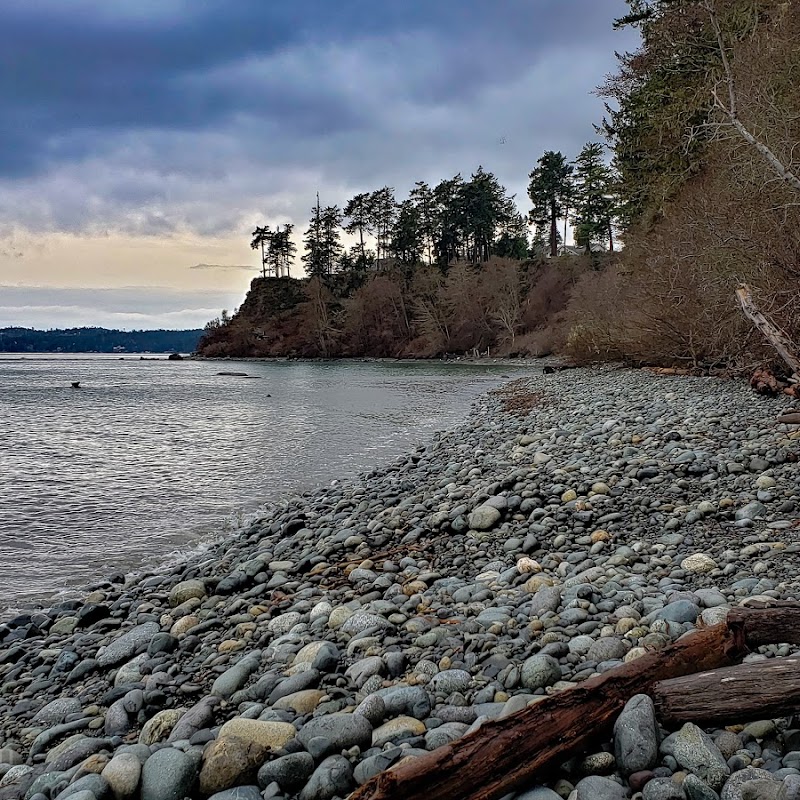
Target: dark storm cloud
[(156, 115)]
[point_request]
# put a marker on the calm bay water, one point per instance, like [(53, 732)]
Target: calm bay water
[(150, 459)]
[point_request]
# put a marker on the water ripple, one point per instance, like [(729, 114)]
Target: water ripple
[(151, 458)]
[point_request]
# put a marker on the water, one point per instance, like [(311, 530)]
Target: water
[(151, 458)]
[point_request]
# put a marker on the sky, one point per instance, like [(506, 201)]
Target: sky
[(141, 141)]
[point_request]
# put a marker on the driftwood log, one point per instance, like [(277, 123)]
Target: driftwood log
[(762, 690), (507, 754), (790, 418), (775, 336)]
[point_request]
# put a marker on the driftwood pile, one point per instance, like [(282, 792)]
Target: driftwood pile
[(694, 679)]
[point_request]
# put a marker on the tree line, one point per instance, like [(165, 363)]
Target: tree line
[(458, 220), (703, 187), (703, 121), (97, 340)]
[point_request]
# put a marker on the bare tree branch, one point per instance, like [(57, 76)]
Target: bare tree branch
[(731, 110)]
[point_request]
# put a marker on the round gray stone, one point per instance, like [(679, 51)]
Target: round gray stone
[(540, 671)]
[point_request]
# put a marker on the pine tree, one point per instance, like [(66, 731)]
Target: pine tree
[(513, 239), (483, 209), (261, 239), (314, 256), (448, 236), (550, 190), (406, 243), (330, 221), (358, 218), (283, 250), (425, 204), (595, 202), (382, 210)]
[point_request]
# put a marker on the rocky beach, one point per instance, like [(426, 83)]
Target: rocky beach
[(574, 522)]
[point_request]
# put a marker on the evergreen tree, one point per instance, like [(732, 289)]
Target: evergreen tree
[(407, 242), (330, 222), (448, 236), (382, 210), (283, 250), (595, 203), (425, 204), (550, 190), (483, 208), (314, 256), (358, 218), (657, 124), (261, 239), (513, 239)]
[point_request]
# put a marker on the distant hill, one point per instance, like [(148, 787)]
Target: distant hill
[(97, 340)]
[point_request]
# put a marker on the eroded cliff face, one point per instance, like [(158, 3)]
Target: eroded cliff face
[(266, 324), (269, 297), (505, 307)]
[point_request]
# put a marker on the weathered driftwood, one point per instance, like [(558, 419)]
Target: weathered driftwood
[(790, 418), (762, 690), (506, 754), (776, 337)]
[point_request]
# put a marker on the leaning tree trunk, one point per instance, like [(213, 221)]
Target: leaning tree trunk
[(776, 337)]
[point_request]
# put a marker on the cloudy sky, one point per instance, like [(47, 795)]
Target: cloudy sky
[(141, 140)]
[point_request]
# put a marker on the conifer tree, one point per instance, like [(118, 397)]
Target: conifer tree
[(314, 256), (594, 199), (550, 190), (330, 222)]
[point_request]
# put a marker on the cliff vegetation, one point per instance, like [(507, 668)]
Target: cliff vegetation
[(699, 177)]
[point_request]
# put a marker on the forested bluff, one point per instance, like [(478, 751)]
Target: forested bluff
[(702, 186)]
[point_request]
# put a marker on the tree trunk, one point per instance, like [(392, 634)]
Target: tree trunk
[(553, 230), (761, 690), (776, 337), (263, 261), (507, 754)]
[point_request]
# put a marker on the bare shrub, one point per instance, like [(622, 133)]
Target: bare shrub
[(549, 290), (597, 321), (377, 318), (501, 290), (673, 300)]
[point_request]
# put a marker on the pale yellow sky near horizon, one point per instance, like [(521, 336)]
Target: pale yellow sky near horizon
[(62, 280), (113, 261)]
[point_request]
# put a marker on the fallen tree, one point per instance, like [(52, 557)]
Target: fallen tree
[(507, 754), (762, 690)]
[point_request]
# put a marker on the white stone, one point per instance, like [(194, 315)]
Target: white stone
[(699, 562), (765, 482)]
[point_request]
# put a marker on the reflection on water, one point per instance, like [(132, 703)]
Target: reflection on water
[(149, 458)]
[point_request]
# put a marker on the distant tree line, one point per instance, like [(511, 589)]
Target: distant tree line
[(97, 340), (458, 220)]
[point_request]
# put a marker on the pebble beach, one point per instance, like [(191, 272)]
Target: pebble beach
[(574, 522)]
